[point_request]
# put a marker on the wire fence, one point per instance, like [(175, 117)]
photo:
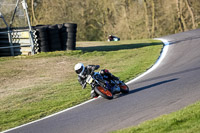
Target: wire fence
[(13, 13), (7, 9)]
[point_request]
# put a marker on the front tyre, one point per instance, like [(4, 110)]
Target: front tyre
[(103, 92), (124, 88)]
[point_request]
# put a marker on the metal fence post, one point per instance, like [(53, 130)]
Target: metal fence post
[(24, 4), (10, 41)]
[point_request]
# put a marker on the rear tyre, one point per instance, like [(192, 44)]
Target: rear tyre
[(104, 93)]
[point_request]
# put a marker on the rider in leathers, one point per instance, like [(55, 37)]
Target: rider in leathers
[(84, 71)]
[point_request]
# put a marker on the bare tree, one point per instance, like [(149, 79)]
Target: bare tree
[(33, 11), (128, 19), (179, 15), (153, 17), (146, 18), (191, 13)]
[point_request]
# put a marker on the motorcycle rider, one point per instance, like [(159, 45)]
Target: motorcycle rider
[(83, 71)]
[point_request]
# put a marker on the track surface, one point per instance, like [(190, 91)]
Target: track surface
[(172, 86)]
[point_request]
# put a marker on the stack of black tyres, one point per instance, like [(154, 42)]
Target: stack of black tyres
[(54, 38), (71, 29), (42, 35), (63, 36)]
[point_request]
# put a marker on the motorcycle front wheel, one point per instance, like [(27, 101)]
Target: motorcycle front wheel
[(103, 92), (124, 88)]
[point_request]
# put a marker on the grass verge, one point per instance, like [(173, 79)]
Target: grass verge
[(33, 87), (184, 121)]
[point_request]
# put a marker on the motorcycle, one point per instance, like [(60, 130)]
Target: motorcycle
[(105, 88)]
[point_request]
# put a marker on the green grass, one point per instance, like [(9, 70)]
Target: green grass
[(55, 90), (184, 121)]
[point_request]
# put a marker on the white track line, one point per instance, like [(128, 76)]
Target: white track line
[(163, 54), (48, 116), (160, 59)]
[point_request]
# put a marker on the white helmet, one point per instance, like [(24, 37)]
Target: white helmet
[(79, 68)]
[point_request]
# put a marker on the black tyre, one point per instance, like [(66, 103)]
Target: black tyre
[(41, 29), (71, 35), (60, 26), (64, 35), (53, 27), (43, 43), (54, 38), (71, 30), (64, 47), (3, 29), (71, 45), (71, 40), (55, 45), (3, 36), (42, 39), (104, 93), (44, 48), (124, 88), (63, 40), (42, 35), (70, 25), (53, 33)]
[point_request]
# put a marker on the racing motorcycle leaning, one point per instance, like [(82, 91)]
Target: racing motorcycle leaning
[(106, 88)]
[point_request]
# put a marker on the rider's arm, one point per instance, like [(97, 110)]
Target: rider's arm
[(107, 73), (91, 68), (82, 82)]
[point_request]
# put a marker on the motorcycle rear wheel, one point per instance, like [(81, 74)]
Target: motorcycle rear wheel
[(104, 93)]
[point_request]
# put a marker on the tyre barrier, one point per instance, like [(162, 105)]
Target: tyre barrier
[(46, 38), (71, 29), (56, 37), (63, 36), (42, 38)]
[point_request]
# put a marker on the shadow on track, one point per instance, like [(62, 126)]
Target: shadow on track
[(183, 36), (147, 87), (171, 74), (117, 47), (184, 39)]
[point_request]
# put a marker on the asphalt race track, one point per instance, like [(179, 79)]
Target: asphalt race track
[(173, 85)]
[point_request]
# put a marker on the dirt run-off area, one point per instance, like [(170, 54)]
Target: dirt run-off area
[(23, 73)]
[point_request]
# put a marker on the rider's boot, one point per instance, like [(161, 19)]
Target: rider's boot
[(94, 94), (114, 78)]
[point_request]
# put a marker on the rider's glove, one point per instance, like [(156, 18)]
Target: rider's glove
[(97, 67), (115, 78)]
